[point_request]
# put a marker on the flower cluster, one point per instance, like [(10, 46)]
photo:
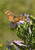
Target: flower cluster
[(25, 29)]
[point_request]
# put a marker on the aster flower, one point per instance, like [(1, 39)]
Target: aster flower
[(16, 23)]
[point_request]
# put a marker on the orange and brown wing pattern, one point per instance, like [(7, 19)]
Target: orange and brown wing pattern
[(19, 18), (16, 19), (11, 15), (7, 12)]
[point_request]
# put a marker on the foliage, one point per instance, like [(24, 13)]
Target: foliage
[(26, 32)]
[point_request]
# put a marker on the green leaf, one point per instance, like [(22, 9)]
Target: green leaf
[(33, 39), (32, 18)]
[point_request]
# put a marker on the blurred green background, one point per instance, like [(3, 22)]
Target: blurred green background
[(17, 7)]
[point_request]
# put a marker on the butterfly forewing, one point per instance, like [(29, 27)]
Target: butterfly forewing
[(9, 14)]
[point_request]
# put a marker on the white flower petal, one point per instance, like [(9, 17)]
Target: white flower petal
[(20, 22)]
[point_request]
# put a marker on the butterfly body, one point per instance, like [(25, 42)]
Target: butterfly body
[(12, 17)]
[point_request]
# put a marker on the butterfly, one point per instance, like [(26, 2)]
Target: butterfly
[(11, 16)]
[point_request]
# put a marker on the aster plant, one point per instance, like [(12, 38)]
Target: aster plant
[(26, 32)]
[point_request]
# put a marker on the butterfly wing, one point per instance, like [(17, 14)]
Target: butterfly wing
[(19, 18), (16, 19), (9, 14)]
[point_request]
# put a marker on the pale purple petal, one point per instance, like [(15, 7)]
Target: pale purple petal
[(8, 42), (26, 15), (10, 24), (20, 22), (19, 43), (28, 20), (7, 45), (13, 24), (19, 26), (29, 30)]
